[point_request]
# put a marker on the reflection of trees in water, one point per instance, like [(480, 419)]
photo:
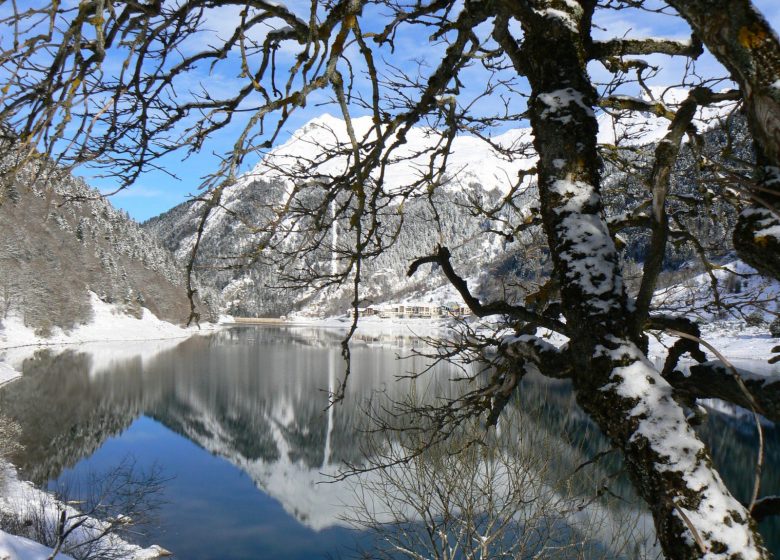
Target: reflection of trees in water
[(229, 392), (271, 384), (258, 396), (550, 407), (63, 415)]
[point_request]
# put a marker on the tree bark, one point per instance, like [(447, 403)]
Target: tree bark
[(694, 513), (742, 40)]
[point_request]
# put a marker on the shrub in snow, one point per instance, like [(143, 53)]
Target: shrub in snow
[(755, 319), (774, 328), (117, 505)]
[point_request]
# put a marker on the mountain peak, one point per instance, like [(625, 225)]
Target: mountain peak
[(334, 126), (325, 120)]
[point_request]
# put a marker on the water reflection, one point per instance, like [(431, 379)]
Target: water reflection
[(257, 397)]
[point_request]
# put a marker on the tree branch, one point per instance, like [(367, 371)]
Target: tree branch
[(713, 380), (550, 360), (442, 258), (766, 506)]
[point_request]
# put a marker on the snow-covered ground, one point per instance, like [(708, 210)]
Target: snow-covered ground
[(747, 348), (108, 323), (7, 373), (745, 296), (740, 290), (19, 548)]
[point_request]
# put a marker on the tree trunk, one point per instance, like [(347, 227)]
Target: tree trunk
[(742, 40), (694, 512)]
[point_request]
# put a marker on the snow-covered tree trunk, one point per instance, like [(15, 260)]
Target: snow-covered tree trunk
[(736, 33), (695, 515)]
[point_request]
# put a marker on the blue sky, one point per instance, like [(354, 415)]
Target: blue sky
[(156, 191)]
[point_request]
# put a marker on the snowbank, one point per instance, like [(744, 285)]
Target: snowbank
[(108, 323), (19, 548)]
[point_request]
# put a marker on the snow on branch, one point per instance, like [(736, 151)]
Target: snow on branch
[(627, 47), (550, 360), (713, 380)]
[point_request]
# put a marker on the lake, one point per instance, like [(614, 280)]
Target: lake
[(238, 423)]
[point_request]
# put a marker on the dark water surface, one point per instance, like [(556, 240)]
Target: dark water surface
[(239, 422)]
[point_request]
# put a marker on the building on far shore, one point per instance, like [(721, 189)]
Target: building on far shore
[(413, 310)]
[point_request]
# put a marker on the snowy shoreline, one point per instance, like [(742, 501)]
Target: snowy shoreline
[(22, 498), (109, 324), (145, 336)]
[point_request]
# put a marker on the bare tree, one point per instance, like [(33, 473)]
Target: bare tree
[(91, 518), (515, 494), (111, 84)]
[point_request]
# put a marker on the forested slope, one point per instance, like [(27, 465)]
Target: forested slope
[(59, 240)]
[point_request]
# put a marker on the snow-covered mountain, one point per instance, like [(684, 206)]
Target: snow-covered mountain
[(480, 173)]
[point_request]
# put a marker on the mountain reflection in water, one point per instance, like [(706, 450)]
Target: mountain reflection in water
[(246, 409)]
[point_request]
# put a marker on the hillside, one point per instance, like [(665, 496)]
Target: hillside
[(61, 241)]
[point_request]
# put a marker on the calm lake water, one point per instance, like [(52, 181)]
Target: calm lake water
[(238, 422)]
